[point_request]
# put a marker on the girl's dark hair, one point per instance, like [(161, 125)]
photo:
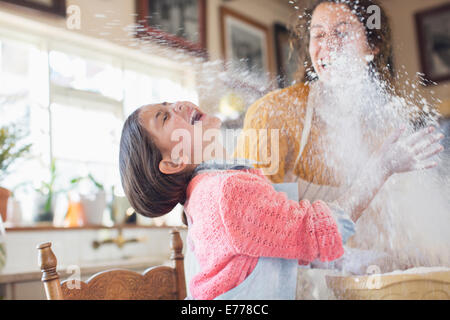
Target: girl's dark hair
[(380, 38), (150, 192)]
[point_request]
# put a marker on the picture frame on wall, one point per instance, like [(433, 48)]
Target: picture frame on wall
[(245, 43), (287, 55), (176, 23), (433, 30), (56, 7)]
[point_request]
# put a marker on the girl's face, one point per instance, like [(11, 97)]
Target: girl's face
[(168, 124), (336, 32)]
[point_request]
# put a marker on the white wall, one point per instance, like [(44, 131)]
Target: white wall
[(107, 19), (406, 47), (104, 19)]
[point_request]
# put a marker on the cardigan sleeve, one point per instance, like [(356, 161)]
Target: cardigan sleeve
[(261, 222)]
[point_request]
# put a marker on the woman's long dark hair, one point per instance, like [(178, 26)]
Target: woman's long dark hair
[(150, 192), (380, 38)]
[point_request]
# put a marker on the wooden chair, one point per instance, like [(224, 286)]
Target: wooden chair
[(156, 283)]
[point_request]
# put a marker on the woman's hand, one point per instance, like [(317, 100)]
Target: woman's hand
[(397, 154), (408, 153)]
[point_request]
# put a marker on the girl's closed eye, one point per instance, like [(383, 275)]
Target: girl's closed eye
[(164, 116)]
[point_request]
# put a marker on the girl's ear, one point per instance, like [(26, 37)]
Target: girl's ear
[(168, 166)]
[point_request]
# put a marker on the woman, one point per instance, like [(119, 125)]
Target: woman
[(300, 130), (319, 146)]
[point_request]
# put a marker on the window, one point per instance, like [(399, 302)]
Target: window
[(75, 72), (71, 104), (22, 83)]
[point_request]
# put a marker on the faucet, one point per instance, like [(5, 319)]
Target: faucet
[(120, 240)]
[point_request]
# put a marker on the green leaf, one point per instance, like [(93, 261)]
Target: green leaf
[(10, 147), (97, 184), (75, 180)]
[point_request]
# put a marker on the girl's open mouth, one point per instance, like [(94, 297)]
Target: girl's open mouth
[(196, 116)]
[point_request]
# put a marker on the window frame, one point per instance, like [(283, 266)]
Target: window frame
[(46, 38)]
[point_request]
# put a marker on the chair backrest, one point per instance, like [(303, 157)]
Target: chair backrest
[(156, 283)]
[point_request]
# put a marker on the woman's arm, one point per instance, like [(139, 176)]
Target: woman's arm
[(398, 154)]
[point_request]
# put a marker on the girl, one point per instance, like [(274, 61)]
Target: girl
[(247, 238)]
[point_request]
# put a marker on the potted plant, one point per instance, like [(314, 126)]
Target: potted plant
[(10, 150), (94, 201), (44, 199)]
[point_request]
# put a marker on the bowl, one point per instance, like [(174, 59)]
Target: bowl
[(412, 284)]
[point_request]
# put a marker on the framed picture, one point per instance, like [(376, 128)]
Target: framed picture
[(245, 43), (287, 55), (57, 7), (177, 23), (433, 29)]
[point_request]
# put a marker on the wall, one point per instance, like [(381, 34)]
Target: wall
[(401, 13), (109, 19), (406, 49), (104, 19)]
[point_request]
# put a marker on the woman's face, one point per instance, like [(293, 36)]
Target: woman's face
[(336, 33), (169, 124)]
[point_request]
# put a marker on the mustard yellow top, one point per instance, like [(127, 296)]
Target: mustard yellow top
[(285, 110)]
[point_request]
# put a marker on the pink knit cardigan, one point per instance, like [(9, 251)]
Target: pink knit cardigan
[(237, 216)]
